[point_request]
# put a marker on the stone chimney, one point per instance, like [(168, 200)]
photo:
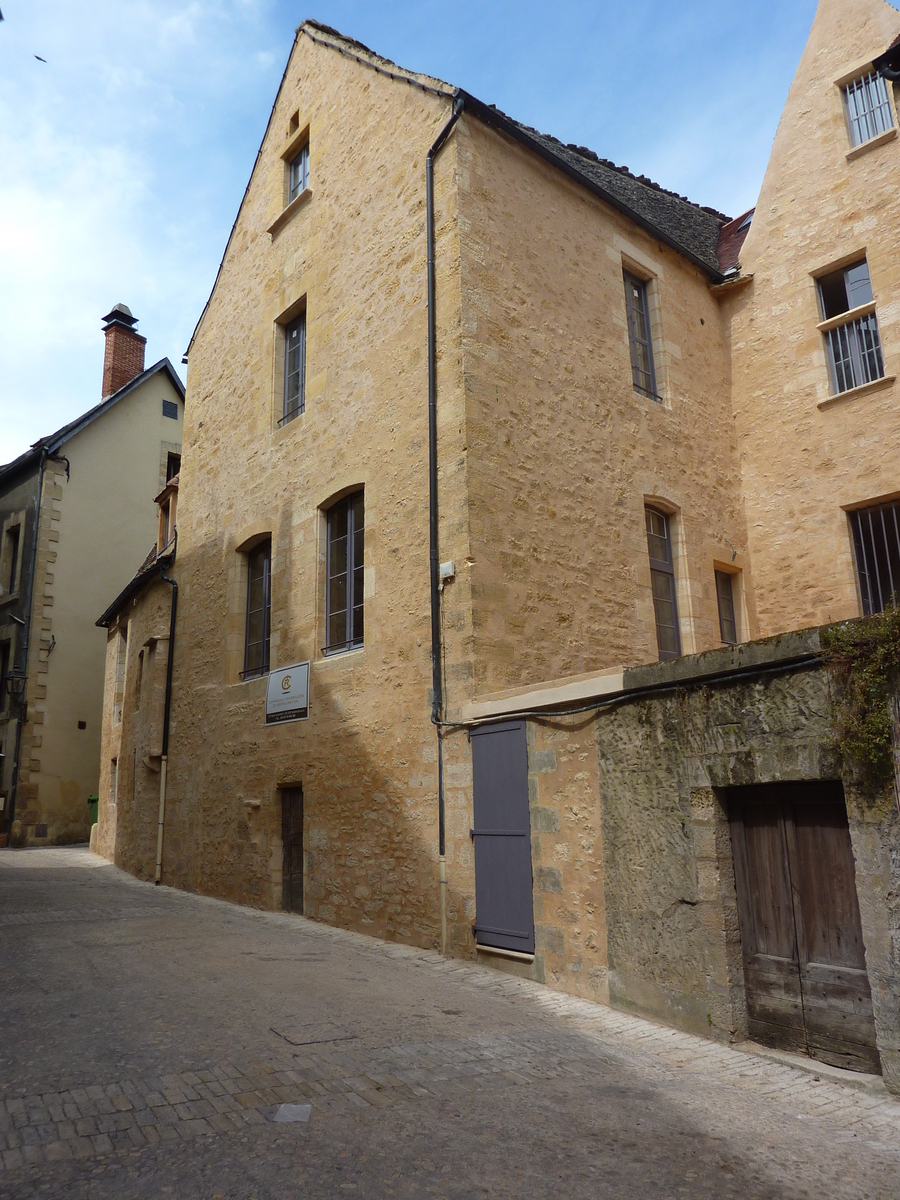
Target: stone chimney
[(124, 356)]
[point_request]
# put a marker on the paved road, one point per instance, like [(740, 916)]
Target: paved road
[(153, 1042)]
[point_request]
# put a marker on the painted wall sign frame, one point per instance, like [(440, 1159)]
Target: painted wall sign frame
[(287, 694)]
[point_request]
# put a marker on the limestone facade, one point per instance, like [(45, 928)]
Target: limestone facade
[(547, 454)]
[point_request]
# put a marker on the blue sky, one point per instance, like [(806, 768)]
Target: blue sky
[(123, 158)]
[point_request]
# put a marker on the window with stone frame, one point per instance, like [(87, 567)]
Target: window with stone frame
[(728, 626), (345, 575), (662, 582), (10, 556), (640, 340), (876, 546), (868, 108), (294, 397), (259, 610), (298, 173), (850, 327)]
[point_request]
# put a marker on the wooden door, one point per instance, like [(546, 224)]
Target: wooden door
[(804, 960), (504, 900), (292, 849)]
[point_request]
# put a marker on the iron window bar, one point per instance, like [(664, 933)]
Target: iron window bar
[(854, 352), (868, 108), (876, 542)]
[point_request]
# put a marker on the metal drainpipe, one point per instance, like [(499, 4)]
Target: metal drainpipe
[(436, 685), (14, 789), (163, 766)]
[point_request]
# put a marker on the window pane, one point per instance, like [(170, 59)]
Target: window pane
[(639, 335), (859, 286), (345, 572), (833, 292), (876, 541), (338, 593), (725, 596), (294, 368), (256, 637), (663, 587), (658, 536)]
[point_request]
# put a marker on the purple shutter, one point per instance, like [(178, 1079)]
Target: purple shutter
[(502, 837)]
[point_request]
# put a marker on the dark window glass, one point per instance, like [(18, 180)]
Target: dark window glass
[(876, 540), (725, 597), (299, 174), (4, 673), (662, 582), (256, 643), (344, 601), (11, 558), (642, 372), (173, 466), (294, 369)]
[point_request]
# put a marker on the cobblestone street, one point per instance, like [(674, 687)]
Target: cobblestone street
[(161, 1044)]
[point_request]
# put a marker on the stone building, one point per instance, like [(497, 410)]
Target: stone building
[(75, 514), (478, 432)]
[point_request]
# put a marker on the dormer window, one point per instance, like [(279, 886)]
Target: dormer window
[(869, 111), (299, 174)]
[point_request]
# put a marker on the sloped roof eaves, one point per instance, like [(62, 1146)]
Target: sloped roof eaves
[(687, 228), (147, 573), (57, 440)]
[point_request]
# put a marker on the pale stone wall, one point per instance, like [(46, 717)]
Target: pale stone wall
[(353, 252), (806, 458), (97, 524)]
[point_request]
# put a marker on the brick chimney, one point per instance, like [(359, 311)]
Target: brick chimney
[(124, 355)]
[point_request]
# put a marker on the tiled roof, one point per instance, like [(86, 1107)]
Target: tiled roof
[(731, 240), (689, 228)]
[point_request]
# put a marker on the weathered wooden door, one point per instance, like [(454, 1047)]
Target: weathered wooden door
[(502, 836), (292, 849), (804, 960)]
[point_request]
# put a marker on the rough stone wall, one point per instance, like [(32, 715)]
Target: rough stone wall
[(808, 456), (128, 822), (562, 451), (17, 506), (674, 940), (47, 813), (353, 252)]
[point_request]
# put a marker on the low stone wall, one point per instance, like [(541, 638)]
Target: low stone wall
[(672, 927)]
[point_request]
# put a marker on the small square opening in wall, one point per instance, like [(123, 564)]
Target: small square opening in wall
[(170, 409), (82, 724)]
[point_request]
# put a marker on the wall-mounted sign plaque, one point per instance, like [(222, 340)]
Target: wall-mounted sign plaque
[(287, 696)]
